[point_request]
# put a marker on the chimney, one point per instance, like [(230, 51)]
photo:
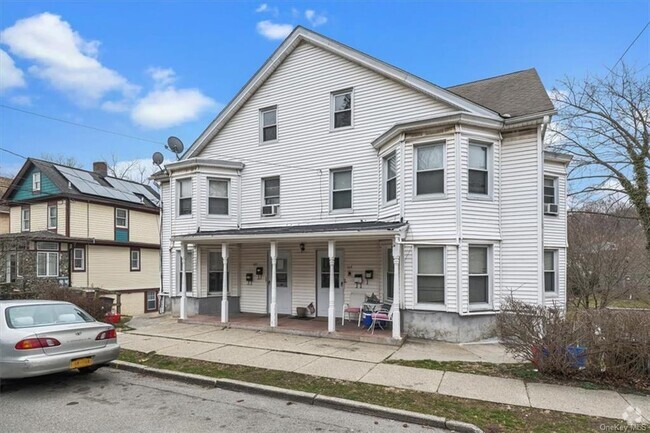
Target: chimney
[(100, 168)]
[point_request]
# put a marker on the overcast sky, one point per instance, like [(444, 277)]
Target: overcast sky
[(153, 69)]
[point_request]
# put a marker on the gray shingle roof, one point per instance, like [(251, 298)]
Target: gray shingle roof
[(517, 94)]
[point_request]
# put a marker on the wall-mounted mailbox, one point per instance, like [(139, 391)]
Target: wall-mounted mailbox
[(259, 271), (358, 278), (249, 278), (369, 275)]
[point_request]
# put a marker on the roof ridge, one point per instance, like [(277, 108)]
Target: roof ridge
[(492, 78), (85, 170)]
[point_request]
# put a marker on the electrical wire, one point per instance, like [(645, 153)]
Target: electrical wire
[(630, 46)]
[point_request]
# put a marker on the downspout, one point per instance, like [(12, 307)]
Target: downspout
[(540, 216), (239, 198), (459, 219), (402, 189), (161, 307), (500, 215)]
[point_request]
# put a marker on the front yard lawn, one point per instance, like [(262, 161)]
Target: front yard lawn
[(491, 417)]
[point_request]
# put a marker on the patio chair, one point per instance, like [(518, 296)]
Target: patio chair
[(353, 307), (384, 314)]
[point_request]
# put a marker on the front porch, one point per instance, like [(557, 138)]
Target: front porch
[(262, 278), (310, 327)]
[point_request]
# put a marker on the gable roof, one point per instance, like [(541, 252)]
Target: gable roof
[(516, 94), (59, 175), (300, 35)]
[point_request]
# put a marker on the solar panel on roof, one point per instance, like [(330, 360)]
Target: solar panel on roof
[(135, 188), (87, 184)]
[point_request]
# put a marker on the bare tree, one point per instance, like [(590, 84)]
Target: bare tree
[(136, 170), (604, 122), (62, 159), (607, 260)]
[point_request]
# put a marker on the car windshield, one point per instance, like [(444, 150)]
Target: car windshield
[(25, 316)]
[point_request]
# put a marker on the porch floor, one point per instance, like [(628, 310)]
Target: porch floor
[(313, 327)]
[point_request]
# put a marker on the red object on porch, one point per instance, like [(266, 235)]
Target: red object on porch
[(113, 317)]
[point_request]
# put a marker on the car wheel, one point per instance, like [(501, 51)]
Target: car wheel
[(86, 370)]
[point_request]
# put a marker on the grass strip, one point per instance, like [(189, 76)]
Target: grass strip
[(524, 371), (491, 417)]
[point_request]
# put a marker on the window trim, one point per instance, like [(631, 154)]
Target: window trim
[(53, 205), (434, 306), (228, 191), (279, 196), (435, 195), (83, 259), (277, 124), (47, 264), (385, 179), (333, 96), (556, 194), (482, 306), (25, 227), (180, 264), (37, 185), (131, 267), (146, 301), (340, 170), (126, 218), (490, 170), (178, 197), (556, 272), (218, 292)]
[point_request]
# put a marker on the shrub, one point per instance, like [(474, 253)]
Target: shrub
[(600, 345), (85, 300)]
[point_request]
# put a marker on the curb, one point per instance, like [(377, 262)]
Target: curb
[(301, 397)]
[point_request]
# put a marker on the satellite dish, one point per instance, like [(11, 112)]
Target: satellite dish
[(175, 145), (158, 158)]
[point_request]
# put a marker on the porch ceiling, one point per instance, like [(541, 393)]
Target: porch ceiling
[(358, 230)]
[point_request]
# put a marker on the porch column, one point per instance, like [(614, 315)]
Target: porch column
[(183, 282), (226, 276), (331, 316), (397, 324), (274, 285)]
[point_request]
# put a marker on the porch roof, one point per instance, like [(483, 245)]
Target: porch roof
[(325, 231)]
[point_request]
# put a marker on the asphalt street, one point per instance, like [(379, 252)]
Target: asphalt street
[(115, 401)]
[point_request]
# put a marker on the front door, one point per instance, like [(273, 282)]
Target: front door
[(323, 283), (283, 283)]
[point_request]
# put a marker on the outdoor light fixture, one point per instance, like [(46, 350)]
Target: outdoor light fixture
[(302, 247)]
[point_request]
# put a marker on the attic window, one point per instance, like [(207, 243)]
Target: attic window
[(342, 109), (36, 182), (269, 124)]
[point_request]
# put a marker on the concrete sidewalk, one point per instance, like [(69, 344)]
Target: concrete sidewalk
[(354, 361)]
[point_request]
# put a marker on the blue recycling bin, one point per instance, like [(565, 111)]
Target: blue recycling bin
[(577, 355), (367, 320)]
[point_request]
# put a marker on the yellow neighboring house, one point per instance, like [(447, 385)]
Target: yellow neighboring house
[(4, 209), (84, 229)]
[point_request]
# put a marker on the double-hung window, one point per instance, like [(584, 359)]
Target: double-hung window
[(79, 259), (550, 195), (184, 196), (36, 182), (215, 272), (550, 271), (479, 171), (431, 275), (218, 197), (271, 199), (390, 275), (188, 264), (25, 219), (341, 189), (121, 218), (479, 275), (390, 173), (342, 109), (47, 259), (135, 259), (429, 169), (52, 216), (151, 301), (269, 124)]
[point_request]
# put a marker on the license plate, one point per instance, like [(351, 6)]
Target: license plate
[(81, 362)]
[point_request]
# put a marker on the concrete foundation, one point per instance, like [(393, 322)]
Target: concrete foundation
[(207, 306), (448, 326)]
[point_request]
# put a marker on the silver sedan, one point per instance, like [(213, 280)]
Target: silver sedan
[(43, 337)]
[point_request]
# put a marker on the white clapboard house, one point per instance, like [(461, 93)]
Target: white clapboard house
[(332, 175)]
